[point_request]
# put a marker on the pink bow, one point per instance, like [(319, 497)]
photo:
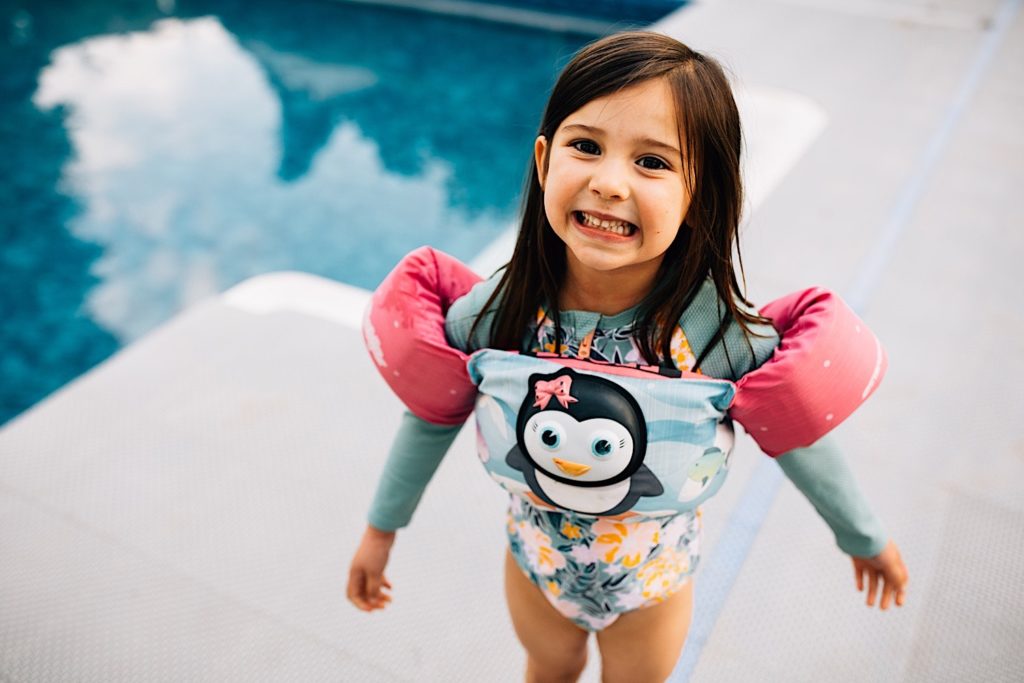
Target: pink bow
[(559, 388)]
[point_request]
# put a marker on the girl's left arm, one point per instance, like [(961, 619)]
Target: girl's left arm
[(820, 472)]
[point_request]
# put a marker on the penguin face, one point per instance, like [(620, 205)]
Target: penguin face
[(594, 450), (581, 429)]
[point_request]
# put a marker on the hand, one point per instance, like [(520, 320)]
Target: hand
[(366, 581), (887, 565)]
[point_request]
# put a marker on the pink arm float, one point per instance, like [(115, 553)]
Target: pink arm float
[(827, 364), (404, 331)]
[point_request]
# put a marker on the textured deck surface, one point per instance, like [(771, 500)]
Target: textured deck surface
[(187, 510)]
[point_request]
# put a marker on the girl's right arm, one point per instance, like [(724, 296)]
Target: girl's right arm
[(415, 455), (417, 451)]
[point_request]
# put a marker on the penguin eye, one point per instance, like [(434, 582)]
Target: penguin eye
[(603, 444), (551, 436)]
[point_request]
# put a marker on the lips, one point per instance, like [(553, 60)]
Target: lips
[(612, 226)]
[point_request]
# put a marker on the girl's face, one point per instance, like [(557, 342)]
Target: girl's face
[(614, 187)]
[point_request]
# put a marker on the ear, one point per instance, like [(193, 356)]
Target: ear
[(540, 157)]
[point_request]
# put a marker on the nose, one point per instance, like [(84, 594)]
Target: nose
[(610, 180)]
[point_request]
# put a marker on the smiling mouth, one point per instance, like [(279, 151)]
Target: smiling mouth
[(621, 228)]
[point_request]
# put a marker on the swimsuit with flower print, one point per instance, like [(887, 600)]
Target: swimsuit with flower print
[(592, 569)]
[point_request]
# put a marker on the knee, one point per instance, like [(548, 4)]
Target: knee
[(650, 672), (565, 669)]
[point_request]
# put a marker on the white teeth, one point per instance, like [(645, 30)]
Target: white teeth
[(617, 227)]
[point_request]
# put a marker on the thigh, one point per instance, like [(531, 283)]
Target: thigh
[(556, 647), (644, 645)]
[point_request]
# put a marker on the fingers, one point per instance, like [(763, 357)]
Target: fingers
[(899, 584), (365, 591), (367, 586), (901, 596), (886, 568), (872, 588), (887, 594), (375, 596), (895, 587), (888, 586), (356, 590)]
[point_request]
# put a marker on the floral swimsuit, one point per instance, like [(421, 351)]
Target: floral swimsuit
[(592, 569)]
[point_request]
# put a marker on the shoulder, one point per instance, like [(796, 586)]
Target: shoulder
[(464, 311), (737, 353)]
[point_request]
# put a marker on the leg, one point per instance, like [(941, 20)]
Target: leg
[(644, 645), (556, 649)]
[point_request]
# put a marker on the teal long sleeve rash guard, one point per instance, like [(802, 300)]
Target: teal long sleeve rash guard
[(819, 471)]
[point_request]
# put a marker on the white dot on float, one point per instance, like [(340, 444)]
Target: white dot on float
[(829, 417), (396, 322), (828, 363), (857, 327), (452, 392), (396, 373), (764, 429)]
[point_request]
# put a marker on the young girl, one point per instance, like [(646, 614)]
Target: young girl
[(625, 255)]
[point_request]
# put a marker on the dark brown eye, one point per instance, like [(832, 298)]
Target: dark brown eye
[(652, 163), (586, 146)]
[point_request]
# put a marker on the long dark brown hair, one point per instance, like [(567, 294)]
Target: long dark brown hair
[(710, 138)]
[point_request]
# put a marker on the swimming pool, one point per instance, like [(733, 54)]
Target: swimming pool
[(155, 155)]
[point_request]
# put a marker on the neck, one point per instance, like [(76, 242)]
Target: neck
[(604, 292)]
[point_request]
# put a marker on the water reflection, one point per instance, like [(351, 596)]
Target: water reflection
[(175, 133), (238, 138), (306, 89)]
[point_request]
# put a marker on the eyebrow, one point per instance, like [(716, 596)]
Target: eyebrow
[(643, 142)]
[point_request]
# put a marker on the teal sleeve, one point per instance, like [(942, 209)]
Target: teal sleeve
[(821, 474), (416, 452), (420, 446), (819, 471), (462, 315), (737, 353)]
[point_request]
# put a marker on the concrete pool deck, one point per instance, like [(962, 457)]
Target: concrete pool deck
[(187, 510)]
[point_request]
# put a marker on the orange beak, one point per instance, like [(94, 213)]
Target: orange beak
[(573, 469)]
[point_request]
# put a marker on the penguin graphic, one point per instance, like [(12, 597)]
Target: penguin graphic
[(580, 444)]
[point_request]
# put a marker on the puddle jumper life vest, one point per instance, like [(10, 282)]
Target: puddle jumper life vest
[(601, 439), (607, 440)]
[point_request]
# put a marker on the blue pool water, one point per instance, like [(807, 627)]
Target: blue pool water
[(157, 153)]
